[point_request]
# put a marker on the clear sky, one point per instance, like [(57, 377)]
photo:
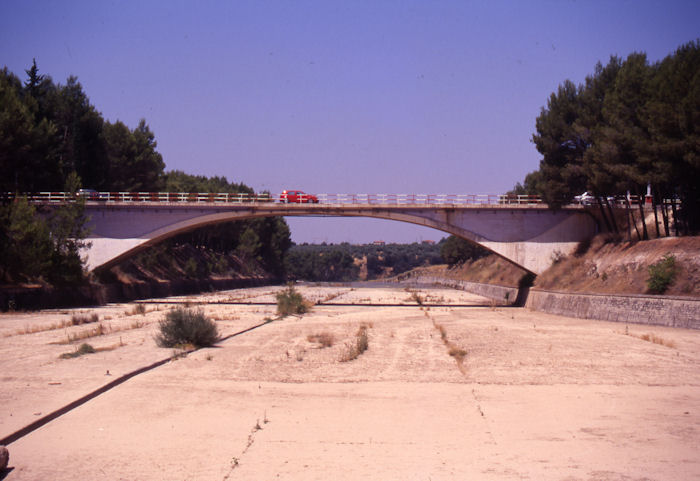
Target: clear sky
[(338, 96)]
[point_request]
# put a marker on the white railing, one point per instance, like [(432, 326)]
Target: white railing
[(334, 199), (323, 199)]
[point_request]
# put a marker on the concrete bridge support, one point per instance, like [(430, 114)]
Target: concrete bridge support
[(529, 236)]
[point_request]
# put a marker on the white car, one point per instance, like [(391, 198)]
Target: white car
[(585, 199)]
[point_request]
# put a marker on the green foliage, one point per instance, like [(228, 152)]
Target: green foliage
[(339, 262), (183, 326), (455, 250), (662, 274), (52, 137), (48, 131), (134, 163), (41, 247), (289, 301), (630, 124)]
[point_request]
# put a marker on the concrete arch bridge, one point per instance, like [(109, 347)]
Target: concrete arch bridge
[(520, 229)]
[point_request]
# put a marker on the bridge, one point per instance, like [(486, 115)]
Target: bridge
[(520, 229)]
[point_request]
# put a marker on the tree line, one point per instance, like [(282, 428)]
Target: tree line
[(630, 125), (53, 139), (343, 262)]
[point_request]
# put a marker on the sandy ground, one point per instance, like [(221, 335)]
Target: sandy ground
[(536, 396)]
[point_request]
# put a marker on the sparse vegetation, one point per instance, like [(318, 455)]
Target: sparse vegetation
[(83, 349), (78, 319), (457, 352), (138, 309), (359, 346), (99, 330), (661, 274), (289, 301), (324, 339), (657, 340), (186, 326), (417, 298)]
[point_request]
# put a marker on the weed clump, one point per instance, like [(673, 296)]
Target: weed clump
[(186, 326), (325, 339), (361, 344), (78, 319), (289, 301), (83, 349), (657, 340), (662, 274)]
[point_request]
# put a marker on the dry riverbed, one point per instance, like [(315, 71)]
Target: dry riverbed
[(461, 391)]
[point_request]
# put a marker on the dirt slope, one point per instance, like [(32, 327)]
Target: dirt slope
[(602, 266)]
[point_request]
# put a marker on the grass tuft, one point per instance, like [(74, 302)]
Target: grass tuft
[(657, 340), (83, 349), (79, 319), (324, 339), (355, 349)]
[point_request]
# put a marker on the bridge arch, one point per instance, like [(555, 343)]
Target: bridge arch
[(527, 237)]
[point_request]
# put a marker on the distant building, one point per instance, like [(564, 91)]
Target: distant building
[(429, 242), (379, 243)]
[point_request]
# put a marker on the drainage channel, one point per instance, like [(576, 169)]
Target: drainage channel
[(318, 304), (92, 395)]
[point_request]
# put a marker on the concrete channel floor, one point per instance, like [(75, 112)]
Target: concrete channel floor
[(534, 397)]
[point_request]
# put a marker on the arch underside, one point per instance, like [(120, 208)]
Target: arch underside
[(107, 251)]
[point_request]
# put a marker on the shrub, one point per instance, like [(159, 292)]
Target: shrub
[(325, 339), (78, 319), (290, 301), (661, 274), (360, 345), (138, 309), (186, 326), (458, 353), (83, 349)]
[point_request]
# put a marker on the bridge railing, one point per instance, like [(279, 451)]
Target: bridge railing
[(328, 199), (336, 199)]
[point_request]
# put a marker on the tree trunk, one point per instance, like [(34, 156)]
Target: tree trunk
[(644, 223), (605, 218), (656, 216), (613, 221), (628, 214), (675, 217), (664, 213), (631, 212)]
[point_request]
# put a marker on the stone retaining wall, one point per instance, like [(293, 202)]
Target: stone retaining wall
[(639, 309), (500, 294), (657, 310)]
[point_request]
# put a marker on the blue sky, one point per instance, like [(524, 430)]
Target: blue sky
[(338, 96)]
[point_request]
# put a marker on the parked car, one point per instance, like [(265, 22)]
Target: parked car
[(585, 199), (92, 194), (297, 197)]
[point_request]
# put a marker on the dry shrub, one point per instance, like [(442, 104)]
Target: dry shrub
[(289, 301), (83, 349), (457, 353), (186, 326), (79, 319), (361, 344), (138, 309), (324, 339), (99, 330), (657, 340)]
